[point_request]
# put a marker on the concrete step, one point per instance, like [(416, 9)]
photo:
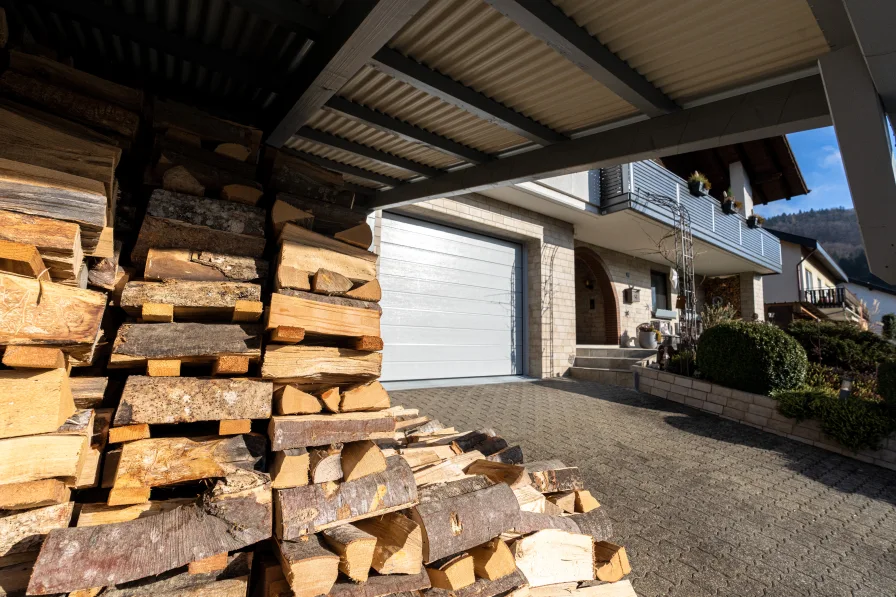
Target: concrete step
[(609, 351), (615, 362), (614, 377)]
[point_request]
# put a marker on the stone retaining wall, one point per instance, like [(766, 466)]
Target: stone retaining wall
[(750, 409)]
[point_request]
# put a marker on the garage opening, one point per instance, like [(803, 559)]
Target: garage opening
[(452, 302)]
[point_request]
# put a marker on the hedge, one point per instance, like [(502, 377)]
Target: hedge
[(842, 345)]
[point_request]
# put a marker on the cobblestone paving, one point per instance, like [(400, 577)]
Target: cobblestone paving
[(704, 506)]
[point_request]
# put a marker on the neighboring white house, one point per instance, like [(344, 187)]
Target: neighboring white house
[(879, 297)]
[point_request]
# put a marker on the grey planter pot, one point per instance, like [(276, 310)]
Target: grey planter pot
[(647, 339)]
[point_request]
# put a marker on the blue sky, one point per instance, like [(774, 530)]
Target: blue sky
[(819, 159)]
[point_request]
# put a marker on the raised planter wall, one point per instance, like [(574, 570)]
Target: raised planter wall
[(750, 409)]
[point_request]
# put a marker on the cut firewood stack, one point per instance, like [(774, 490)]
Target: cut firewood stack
[(232, 437)]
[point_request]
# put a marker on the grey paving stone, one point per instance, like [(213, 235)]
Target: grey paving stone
[(705, 506)]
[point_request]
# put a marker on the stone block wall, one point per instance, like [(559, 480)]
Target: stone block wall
[(751, 409)]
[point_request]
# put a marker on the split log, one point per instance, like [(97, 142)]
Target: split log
[(231, 365), (452, 573), (306, 181), (324, 282), (320, 364), (181, 583), (210, 564), (241, 193), (448, 470), (95, 514), (234, 514), (290, 278), (88, 392), (306, 248), (493, 560), (25, 260), (595, 523), (71, 104), (43, 147), (282, 213), (80, 81), (360, 459), (330, 398), (369, 291), (128, 433), (509, 455), (194, 300), (233, 150), (59, 454), (33, 494), (399, 543), (58, 242), (585, 502), (24, 531), (329, 217), (355, 550), (15, 571), (359, 236), (551, 476), (325, 464), (213, 171), (202, 266), (399, 585), (105, 273), (531, 500), (370, 396), (168, 114), (34, 402), (179, 180), (158, 462), (497, 472), (453, 522), (302, 431), (188, 342), (156, 400), (290, 468), (332, 300), (566, 501), (485, 588), (235, 427), (33, 357), (310, 568), (553, 556), (610, 561), (35, 313), (89, 474), (289, 400), (321, 317), (175, 221), (303, 510)]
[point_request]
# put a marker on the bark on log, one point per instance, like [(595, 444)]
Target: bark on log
[(303, 510), (176, 221), (22, 531), (315, 364), (333, 300), (510, 455), (167, 461), (234, 514), (34, 401), (302, 431), (330, 283), (551, 476), (321, 317), (454, 523), (156, 400), (188, 342), (58, 242), (88, 392), (195, 300), (202, 266), (485, 588), (105, 272), (497, 472), (180, 579), (595, 523), (168, 114), (382, 585)]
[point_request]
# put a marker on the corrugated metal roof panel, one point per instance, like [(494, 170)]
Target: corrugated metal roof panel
[(347, 128), (481, 48), (693, 48), (362, 182), (325, 151), (400, 100)]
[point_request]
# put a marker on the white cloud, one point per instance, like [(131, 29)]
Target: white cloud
[(831, 158)]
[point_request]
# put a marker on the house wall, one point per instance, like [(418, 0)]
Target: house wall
[(821, 276), (783, 288), (550, 269), (878, 303), (591, 325)]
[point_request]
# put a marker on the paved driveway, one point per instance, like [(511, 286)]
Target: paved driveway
[(703, 505)]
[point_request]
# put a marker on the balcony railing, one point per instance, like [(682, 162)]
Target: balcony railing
[(835, 298), (629, 187)]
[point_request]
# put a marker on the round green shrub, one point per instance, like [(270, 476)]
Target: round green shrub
[(886, 382), (856, 424), (753, 357), (841, 345), (802, 404)]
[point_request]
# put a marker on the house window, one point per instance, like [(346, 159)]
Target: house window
[(808, 280), (659, 290)]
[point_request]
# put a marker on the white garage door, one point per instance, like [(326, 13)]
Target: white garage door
[(452, 302)]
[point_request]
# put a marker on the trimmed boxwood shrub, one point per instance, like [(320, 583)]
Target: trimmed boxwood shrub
[(841, 345), (886, 382), (753, 357), (802, 404), (864, 385)]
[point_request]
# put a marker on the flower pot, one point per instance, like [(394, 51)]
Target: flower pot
[(728, 207), (647, 339), (753, 222), (696, 188)]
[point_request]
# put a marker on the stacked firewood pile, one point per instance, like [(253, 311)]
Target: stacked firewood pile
[(243, 443)]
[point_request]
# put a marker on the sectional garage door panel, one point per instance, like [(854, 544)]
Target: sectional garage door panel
[(452, 302)]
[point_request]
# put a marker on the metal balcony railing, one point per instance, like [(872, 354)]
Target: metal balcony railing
[(835, 298)]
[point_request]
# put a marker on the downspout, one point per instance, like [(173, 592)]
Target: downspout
[(799, 277)]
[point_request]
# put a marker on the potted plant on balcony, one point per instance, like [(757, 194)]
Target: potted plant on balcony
[(648, 336), (698, 184), (755, 221), (728, 203)]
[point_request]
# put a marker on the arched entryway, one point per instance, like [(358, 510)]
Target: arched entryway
[(597, 314)]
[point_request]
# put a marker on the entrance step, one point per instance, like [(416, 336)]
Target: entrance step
[(615, 351), (617, 363), (614, 377)]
